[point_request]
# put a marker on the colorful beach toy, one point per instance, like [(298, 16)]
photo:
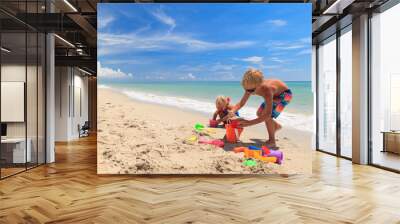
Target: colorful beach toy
[(198, 127), (263, 154), (277, 154), (266, 150), (215, 142), (239, 149), (191, 140), (249, 162), (269, 153), (213, 123), (210, 131), (233, 132)]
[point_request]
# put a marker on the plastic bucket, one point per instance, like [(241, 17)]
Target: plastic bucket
[(213, 123)]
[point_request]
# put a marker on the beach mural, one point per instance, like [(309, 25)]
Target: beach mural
[(204, 89)]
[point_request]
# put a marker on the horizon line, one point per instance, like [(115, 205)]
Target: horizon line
[(177, 80)]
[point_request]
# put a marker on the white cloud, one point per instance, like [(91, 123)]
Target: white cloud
[(290, 46), (301, 43), (109, 73), (306, 40), (189, 76), (105, 21), (199, 45), (253, 59), (276, 59), (272, 66), (213, 68), (159, 77), (190, 68), (221, 67), (226, 76), (119, 43), (124, 61), (304, 52), (277, 22), (291, 69), (164, 18)]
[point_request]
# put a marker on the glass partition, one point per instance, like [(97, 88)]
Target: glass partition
[(32, 73), (31, 97), (346, 92), (13, 94), (385, 89), (327, 95), (41, 107), (22, 77)]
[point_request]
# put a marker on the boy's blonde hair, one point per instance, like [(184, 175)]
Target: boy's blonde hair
[(222, 100), (252, 78)]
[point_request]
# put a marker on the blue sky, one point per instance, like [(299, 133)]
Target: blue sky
[(203, 41)]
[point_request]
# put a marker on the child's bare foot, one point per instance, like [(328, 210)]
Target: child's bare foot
[(271, 144)]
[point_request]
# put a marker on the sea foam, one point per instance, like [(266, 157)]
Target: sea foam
[(298, 121)]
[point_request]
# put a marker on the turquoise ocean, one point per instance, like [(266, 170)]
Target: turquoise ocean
[(200, 96)]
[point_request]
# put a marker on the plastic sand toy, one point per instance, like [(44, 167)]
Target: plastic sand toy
[(239, 149), (249, 162), (213, 123), (233, 132), (215, 142), (198, 127), (210, 131), (263, 154), (191, 140)]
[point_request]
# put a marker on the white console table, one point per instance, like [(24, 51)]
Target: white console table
[(18, 150)]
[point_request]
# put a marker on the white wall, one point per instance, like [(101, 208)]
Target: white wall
[(81, 82), (33, 126), (12, 73), (13, 101), (62, 81), (70, 83)]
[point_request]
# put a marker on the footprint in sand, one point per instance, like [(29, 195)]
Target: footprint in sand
[(143, 166)]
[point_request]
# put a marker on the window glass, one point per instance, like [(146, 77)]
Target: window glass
[(385, 88), (327, 95), (346, 92)]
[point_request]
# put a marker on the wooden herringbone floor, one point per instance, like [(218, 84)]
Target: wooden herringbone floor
[(69, 191)]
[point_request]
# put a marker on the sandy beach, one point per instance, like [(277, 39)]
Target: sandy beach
[(140, 138)]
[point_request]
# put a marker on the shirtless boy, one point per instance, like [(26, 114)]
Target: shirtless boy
[(276, 96)]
